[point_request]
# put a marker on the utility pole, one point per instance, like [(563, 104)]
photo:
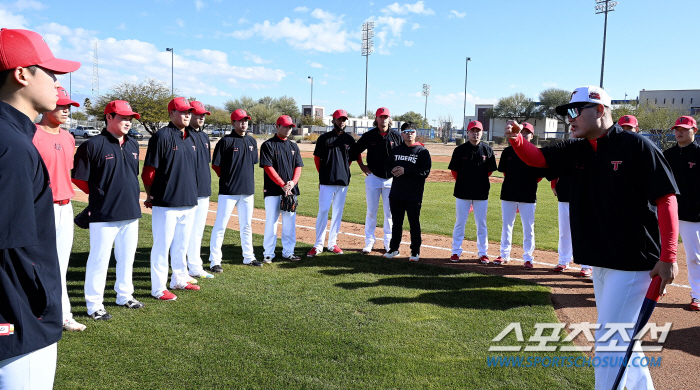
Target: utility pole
[(464, 114), (172, 70), (603, 7), (426, 93)]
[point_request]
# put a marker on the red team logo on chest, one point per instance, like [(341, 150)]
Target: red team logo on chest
[(136, 156), (194, 148), (615, 164), (293, 152), (235, 149), (250, 147), (109, 156), (691, 164), (484, 157)]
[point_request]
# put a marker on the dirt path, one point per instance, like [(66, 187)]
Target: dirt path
[(572, 296)]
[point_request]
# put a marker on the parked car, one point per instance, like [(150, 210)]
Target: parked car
[(217, 132), (135, 134), (84, 131)]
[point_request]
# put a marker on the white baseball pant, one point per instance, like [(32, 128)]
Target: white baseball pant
[(618, 298), (527, 217), (194, 250), (172, 227), (124, 236), (31, 371), (462, 207), (690, 233), (566, 251), (327, 196), (244, 204), (376, 188), (63, 218), (289, 233)]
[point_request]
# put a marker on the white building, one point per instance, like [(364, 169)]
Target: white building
[(686, 98), (496, 127)]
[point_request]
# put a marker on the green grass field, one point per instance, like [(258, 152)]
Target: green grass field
[(331, 322), (438, 211)]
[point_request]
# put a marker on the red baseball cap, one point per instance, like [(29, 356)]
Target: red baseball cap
[(528, 127), (628, 120), (340, 114), (285, 120), (239, 114), (26, 48), (64, 99), (686, 122), (199, 108), (180, 104), (383, 111), (121, 107), (474, 124)]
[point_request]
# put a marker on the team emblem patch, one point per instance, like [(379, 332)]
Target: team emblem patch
[(7, 329), (594, 95), (615, 164), (174, 147), (691, 164), (109, 156), (250, 147), (235, 149), (57, 146), (136, 156), (194, 148), (484, 157)]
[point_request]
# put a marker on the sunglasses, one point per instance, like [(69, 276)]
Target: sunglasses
[(573, 113)]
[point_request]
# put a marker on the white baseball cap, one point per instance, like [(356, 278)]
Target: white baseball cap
[(586, 95)]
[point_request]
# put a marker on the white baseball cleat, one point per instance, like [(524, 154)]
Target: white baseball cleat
[(391, 255)]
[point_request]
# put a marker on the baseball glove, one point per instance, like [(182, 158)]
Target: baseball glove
[(289, 203), (82, 220)]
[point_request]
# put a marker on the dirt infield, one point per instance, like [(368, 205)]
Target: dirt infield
[(572, 296)]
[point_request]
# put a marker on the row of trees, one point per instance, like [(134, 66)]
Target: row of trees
[(150, 99)]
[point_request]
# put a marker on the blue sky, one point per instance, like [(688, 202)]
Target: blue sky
[(226, 49)]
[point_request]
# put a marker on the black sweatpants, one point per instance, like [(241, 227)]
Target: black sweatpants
[(399, 208)]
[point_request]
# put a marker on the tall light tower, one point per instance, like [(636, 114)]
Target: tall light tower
[(426, 93), (603, 7), (172, 70), (464, 114), (367, 48), (95, 74), (312, 94)]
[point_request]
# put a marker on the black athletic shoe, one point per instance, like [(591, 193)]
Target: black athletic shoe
[(133, 304), (254, 263), (292, 257), (217, 269), (101, 315)]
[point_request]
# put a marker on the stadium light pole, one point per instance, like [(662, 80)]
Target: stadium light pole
[(464, 114), (172, 70), (603, 7), (426, 93), (312, 93), (367, 48)]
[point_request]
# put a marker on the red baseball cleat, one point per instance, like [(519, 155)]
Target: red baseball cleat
[(528, 265), (454, 258), (336, 249)]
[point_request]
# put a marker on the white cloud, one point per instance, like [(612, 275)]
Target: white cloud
[(415, 26), (415, 94), (301, 9), (10, 20), (243, 21), (314, 64), (456, 14), (408, 43), (121, 26), (327, 36), (199, 4), (180, 22), (549, 85), (248, 56), (417, 8), (21, 5), (386, 24)]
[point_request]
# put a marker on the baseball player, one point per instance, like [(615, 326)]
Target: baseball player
[(471, 164), (518, 195), (56, 147), (171, 190), (332, 158), (281, 160), (410, 165), (107, 168), (629, 123), (378, 142), (684, 158), (203, 148), (623, 209), (30, 314), (235, 156), (561, 187)]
